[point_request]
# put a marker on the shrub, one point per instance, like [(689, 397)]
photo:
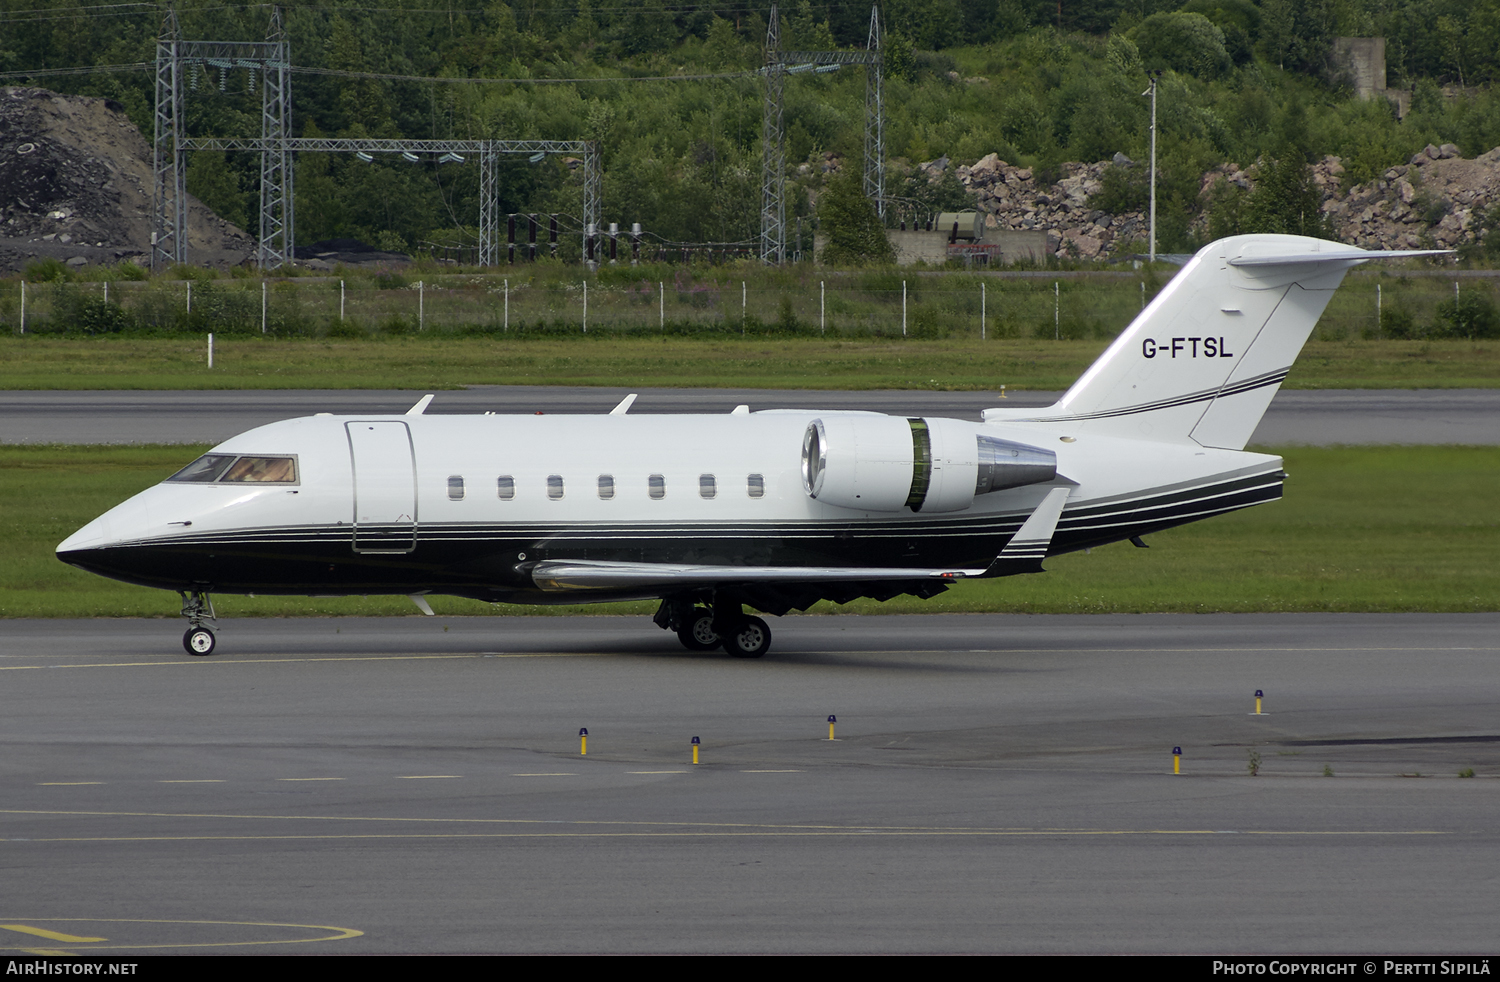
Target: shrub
[(1470, 315), (45, 271), (95, 315)]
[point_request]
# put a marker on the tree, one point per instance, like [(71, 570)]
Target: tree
[(1284, 200), (850, 225), (1184, 42)]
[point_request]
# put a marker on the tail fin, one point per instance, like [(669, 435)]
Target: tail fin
[(1204, 358)]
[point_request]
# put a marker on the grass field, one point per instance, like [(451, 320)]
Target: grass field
[(1360, 529), (408, 362)]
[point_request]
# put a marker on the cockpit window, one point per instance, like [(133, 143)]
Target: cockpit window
[(239, 470), (204, 469), (263, 470)]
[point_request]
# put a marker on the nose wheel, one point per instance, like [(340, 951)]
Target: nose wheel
[(197, 608), (198, 641)]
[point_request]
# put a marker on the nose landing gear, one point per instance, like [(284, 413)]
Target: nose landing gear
[(197, 607)]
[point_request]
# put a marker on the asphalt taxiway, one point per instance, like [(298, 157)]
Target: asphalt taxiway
[(1321, 417), (998, 783)]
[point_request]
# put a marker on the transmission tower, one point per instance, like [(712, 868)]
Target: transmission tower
[(276, 206), (272, 59), (875, 120), (169, 197), (780, 64), (773, 154)]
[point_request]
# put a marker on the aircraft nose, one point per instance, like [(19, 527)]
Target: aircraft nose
[(126, 521)]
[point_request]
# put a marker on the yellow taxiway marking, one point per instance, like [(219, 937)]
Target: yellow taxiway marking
[(725, 834), (307, 659), (65, 784), (304, 659), (309, 779), (42, 932), (642, 828), (339, 934)]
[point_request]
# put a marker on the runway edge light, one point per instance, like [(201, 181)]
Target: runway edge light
[(1176, 760), (1258, 696), (695, 750), (583, 741), (832, 719)]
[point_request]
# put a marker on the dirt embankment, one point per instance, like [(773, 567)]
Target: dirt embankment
[(75, 185)]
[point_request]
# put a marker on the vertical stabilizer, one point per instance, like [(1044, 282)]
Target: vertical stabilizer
[(1202, 361)]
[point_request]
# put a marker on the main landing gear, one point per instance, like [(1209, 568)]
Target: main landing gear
[(197, 608), (724, 625)]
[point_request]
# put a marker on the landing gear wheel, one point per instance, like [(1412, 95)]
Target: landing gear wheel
[(198, 641), (697, 632), (750, 639)]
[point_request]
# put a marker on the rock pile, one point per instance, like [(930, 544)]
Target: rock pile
[(1434, 200), (75, 185), (1013, 199)]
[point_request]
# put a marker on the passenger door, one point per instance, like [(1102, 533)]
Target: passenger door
[(385, 486)]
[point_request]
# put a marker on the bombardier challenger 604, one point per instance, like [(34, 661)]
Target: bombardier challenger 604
[(774, 510)]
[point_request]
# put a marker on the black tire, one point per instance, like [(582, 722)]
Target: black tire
[(698, 633), (751, 639), (199, 641)]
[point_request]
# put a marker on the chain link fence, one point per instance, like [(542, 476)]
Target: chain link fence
[(884, 304)]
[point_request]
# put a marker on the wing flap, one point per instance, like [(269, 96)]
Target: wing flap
[(580, 575)]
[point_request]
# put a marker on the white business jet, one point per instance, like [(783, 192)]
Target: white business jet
[(774, 510)]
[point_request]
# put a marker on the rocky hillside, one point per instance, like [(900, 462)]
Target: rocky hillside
[(1435, 200), (75, 185)]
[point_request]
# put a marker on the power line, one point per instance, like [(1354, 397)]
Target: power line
[(525, 81), (139, 66)]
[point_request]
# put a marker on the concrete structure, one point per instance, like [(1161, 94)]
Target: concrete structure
[(994, 248), (1364, 60)]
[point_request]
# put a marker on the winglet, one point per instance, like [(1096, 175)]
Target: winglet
[(624, 406), (421, 406), (422, 604), (1028, 547)]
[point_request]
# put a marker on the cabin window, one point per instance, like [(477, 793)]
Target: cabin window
[(606, 486), (507, 486), (656, 486), (707, 486), (455, 487), (554, 486), (756, 485)]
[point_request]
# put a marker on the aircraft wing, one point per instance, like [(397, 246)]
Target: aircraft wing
[(1023, 554), (570, 575)]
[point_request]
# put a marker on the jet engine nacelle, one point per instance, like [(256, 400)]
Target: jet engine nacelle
[(886, 463)]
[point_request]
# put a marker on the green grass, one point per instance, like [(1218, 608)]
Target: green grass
[(1361, 529), (730, 362)]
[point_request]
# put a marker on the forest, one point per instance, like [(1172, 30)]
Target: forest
[(672, 93)]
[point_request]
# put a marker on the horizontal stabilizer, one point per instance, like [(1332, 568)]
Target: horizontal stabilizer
[(1028, 547), (1347, 254), (564, 575)]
